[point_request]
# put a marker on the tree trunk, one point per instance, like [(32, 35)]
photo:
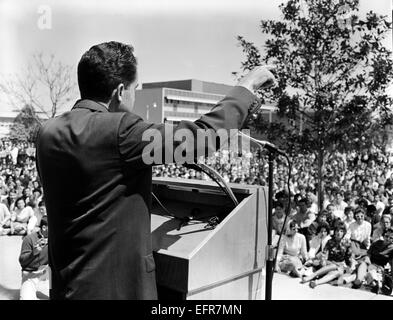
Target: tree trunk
[(320, 179)]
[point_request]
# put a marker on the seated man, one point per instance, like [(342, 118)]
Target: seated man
[(34, 261), (313, 228), (304, 218), (380, 227), (372, 267), (278, 219), (331, 219)]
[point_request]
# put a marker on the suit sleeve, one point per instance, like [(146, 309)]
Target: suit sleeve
[(142, 144)]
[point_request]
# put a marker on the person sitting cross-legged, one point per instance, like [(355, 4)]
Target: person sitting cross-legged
[(33, 259), (339, 259), (372, 267), (292, 251)]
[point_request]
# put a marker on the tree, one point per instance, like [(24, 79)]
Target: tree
[(25, 126), (332, 74), (46, 86)]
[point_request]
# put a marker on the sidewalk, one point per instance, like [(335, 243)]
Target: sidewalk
[(287, 288), (10, 274), (284, 287)]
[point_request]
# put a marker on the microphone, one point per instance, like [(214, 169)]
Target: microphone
[(265, 144)]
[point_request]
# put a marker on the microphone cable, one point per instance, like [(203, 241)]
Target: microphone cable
[(288, 209), (272, 148), (217, 178)]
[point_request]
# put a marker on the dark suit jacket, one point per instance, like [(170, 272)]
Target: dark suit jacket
[(98, 194)]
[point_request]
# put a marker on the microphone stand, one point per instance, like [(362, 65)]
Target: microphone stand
[(270, 251), (273, 150)]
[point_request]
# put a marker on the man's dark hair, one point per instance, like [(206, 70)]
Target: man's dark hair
[(323, 212), (292, 224), (279, 204), (340, 226), (103, 67), (371, 209), (44, 221), (347, 209), (362, 202), (303, 200), (323, 225), (37, 190)]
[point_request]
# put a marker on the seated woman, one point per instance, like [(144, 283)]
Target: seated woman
[(339, 258), (317, 245), (292, 251), (360, 234), (23, 219)]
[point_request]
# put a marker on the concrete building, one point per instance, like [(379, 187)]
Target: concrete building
[(173, 101), (6, 120)]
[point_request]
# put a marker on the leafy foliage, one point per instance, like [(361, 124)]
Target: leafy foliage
[(332, 72), (25, 126), (332, 76)]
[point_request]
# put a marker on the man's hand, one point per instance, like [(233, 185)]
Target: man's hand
[(41, 244), (259, 77)]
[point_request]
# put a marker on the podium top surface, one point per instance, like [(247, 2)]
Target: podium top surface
[(203, 184)]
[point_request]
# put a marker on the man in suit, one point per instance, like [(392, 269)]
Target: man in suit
[(96, 184)]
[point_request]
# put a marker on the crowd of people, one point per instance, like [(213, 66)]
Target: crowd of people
[(349, 241), (21, 195)]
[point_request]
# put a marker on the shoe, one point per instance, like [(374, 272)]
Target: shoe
[(312, 284), (356, 284), (292, 274), (386, 290), (305, 279), (387, 286), (340, 281), (374, 287)]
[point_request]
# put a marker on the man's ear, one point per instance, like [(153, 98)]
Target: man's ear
[(118, 93)]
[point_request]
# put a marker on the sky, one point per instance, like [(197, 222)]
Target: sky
[(173, 39)]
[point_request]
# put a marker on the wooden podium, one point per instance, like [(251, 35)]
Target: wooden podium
[(197, 260)]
